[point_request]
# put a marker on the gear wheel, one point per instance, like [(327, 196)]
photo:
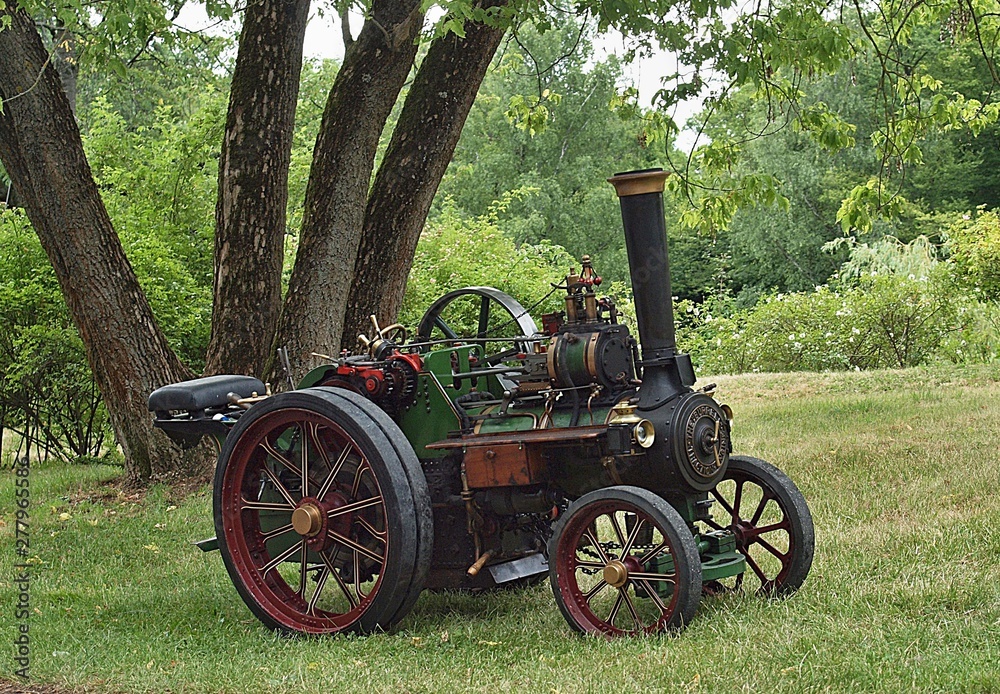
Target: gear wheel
[(403, 378)]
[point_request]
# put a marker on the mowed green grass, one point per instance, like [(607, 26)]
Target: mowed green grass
[(900, 470)]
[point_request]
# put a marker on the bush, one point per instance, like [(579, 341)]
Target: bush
[(866, 321), (455, 251), (974, 243), (48, 396), (158, 183)]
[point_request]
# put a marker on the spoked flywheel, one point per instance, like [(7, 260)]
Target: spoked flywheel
[(771, 521), (478, 313), (322, 514), (622, 561)]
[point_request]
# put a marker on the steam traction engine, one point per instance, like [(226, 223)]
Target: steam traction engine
[(485, 452)]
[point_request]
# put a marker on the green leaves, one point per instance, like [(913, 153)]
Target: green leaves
[(116, 66), (531, 113), (657, 125), (878, 321), (974, 243), (46, 386), (458, 12), (457, 251), (565, 163), (714, 208), (867, 202), (762, 63), (827, 129)]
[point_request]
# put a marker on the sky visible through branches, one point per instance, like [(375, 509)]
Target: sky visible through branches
[(323, 41)]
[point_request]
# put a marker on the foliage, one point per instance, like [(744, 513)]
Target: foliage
[(888, 256), (158, 184), (48, 397), (113, 37), (893, 306), (560, 168), (157, 175), (529, 113), (884, 322), (456, 251), (767, 248), (975, 250), (773, 249), (757, 73), (176, 75)]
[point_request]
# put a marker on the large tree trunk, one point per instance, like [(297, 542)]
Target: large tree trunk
[(41, 149), (422, 145), (65, 58), (369, 81), (253, 186)]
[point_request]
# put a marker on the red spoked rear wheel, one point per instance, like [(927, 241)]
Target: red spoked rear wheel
[(316, 516), (622, 561)]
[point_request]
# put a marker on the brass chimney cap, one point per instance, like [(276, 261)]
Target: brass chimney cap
[(639, 182)]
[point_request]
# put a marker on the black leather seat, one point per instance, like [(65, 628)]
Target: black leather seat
[(203, 393)]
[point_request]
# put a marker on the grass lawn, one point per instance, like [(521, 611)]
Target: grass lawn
[(900, 470)]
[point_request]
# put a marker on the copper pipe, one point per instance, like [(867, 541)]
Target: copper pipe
[(480, 563)]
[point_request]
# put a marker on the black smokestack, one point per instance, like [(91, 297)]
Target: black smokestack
[(666, 373), (640, 194)]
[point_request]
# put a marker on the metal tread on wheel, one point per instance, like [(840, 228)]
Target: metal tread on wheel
[(418, 490), (622, 561), (321, 518), (769, 517)]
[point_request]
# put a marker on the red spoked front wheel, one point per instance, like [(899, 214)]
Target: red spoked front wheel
[(771, 521), (318, 516), (622, 561)]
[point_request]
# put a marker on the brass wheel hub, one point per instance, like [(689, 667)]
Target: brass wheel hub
[(615, 573), (307, 520)]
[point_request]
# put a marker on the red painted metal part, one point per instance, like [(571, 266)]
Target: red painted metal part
[(247, 542), (749, 533), (568, 562)]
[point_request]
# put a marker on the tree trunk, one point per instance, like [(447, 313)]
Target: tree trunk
[(369, 81), (422, 145), (253, 186), (41, 149), (65, 58)]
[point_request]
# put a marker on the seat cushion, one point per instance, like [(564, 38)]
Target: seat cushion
[(203, 393)]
